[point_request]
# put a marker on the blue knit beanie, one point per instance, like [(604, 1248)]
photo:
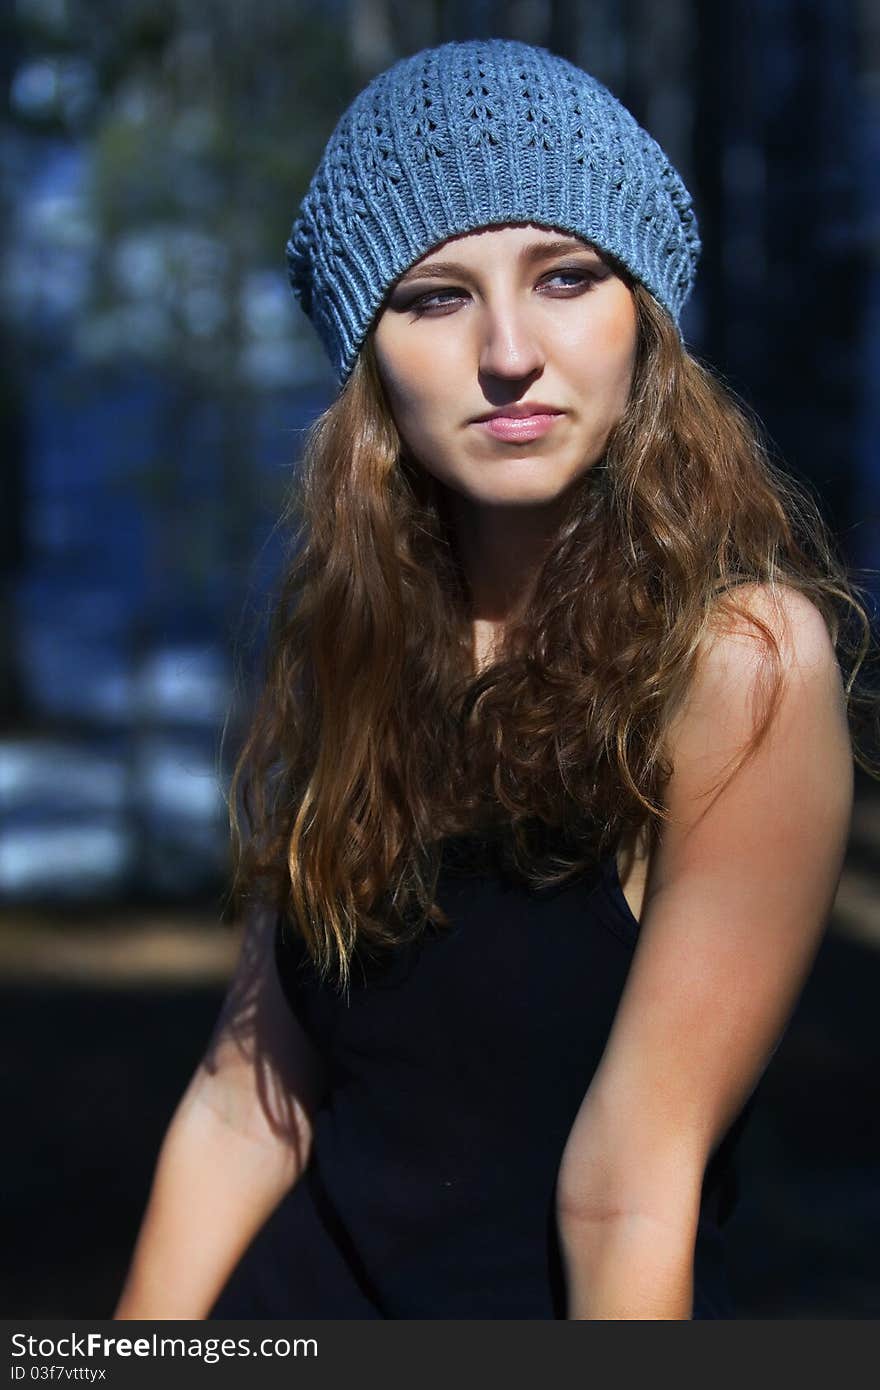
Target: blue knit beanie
[(470, 135)]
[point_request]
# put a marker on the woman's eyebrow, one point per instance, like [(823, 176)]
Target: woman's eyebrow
[(527, 255)]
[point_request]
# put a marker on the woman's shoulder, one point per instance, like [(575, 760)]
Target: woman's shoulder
[(761, 642), (795, 622), (738, 703)]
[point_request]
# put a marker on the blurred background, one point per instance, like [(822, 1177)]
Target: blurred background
[(156, 378)]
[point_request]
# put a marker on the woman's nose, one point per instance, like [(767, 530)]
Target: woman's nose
[(510, 345)]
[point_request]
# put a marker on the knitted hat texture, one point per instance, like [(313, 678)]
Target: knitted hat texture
[(476, 134)]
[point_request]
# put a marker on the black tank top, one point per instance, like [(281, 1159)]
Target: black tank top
[(456, 1069)]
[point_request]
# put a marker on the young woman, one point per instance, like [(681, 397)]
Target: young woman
[(548, 789)]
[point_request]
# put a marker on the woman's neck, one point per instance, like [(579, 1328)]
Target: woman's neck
[(501, 549)]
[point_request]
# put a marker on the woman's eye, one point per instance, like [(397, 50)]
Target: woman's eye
[(580, 277), (443, 300), (431, 301)]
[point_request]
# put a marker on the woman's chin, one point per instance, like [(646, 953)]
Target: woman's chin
[(524, 487)]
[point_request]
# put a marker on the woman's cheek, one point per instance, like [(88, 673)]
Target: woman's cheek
[(408, 388)]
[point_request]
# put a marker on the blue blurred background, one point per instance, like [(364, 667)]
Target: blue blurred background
[(156, 376)]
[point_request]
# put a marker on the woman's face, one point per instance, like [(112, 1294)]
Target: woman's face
[(518, 319)]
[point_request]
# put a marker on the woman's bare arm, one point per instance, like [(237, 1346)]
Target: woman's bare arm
[(739, 891), (238, 1141)]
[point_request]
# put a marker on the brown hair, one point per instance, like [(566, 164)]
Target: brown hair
[(373, 737)]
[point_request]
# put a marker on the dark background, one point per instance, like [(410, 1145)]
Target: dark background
[(155, 378)]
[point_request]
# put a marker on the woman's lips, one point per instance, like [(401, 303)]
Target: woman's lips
[(518, 430)]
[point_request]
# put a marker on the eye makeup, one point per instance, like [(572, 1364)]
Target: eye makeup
[(584, 274)]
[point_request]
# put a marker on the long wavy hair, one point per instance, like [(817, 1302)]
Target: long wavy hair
[(374, 738)]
